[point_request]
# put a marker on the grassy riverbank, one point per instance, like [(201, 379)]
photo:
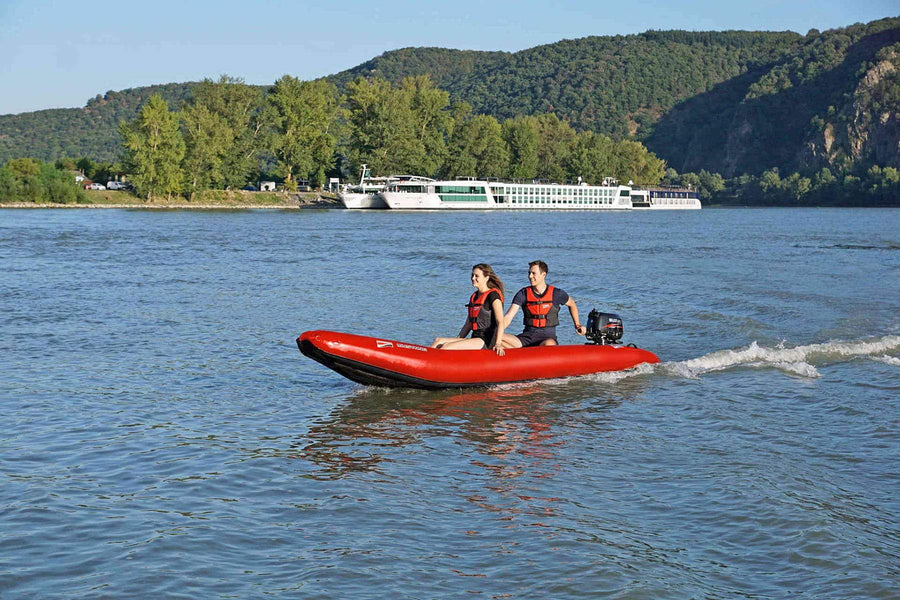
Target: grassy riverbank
[(210, 199)]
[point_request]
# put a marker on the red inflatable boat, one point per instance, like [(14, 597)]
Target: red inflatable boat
[(389, 363)]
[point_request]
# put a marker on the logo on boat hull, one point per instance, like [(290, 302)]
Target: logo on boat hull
[(380, 344)]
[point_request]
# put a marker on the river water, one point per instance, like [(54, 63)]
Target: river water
[(163, 437)]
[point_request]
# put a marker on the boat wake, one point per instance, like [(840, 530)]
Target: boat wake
[(800, 361)]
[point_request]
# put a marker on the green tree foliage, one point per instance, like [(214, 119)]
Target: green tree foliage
[(30, 180), (431, 119), (239, 106), (522, 136), (634, 163), (208, 139), (556, 140), (398, 130), (823, 106), (477, 149), (95, 171), (875, 187), (605, 84), (592, 157), (89, 131), (154, 149), (831, 84), (710, 184), (380, 126), (305, 117)]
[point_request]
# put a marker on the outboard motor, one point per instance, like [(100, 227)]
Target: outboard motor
[(604, 328)]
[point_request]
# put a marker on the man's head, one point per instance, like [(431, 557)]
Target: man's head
[(537, 272)]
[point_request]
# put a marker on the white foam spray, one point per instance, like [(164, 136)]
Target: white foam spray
[(800, 360), (891, 360)]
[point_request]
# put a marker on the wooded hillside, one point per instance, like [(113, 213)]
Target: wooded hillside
[(729, 102)]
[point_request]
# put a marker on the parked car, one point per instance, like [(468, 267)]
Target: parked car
[(116, 185), (249, 188), (95, 186)]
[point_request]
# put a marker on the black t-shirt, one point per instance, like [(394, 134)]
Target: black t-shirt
[(489, 301)]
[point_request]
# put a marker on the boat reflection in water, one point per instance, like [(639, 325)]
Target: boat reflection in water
[(505, 430)]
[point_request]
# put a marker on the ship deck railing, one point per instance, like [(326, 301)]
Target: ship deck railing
[(607, 181)]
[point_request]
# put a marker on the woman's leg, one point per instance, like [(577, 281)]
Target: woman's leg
[(439, 342), (464, 344), (511, 341)]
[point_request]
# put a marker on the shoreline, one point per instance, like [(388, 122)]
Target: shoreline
[(47, 205), (209, 200)]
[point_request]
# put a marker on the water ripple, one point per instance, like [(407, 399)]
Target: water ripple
[(163, 437)]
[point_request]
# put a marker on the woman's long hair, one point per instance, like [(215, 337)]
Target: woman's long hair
[(493, 280)]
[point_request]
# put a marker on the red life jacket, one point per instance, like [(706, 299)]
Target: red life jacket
[(477, 318), (540, 310)]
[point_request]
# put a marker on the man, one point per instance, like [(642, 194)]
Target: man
[(540, 305)]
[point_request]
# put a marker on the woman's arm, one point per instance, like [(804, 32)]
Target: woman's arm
[(466, 328), (497, 308)]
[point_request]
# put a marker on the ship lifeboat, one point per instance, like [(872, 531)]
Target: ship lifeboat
[(391, 363)]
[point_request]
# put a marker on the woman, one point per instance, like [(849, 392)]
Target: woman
[(485, 318)]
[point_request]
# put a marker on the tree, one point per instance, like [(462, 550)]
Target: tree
[(240, 107), (377, 133), (690, 180), (23, 182), (402, 130), (305, 118), (477, 149), (796, 186), (24, 167), (556, 141), (154, 149), (431, 120), (30, 180), (591, 158), (208, 139), (522, 135), (770, 181), (823, 178), (710, 184), (635, 163), (58, 186), (86, 166)]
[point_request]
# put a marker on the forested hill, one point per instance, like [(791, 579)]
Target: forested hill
[(730, 102), (832, 101), (91, 131), (615, 85)]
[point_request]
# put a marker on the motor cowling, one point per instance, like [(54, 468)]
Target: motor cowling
[(604, 328)]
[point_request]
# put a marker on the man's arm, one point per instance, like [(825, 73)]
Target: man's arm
[(573, 310), (508, 317)]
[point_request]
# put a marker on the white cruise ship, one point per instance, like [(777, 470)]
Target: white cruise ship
[(365, 193), (482, 194), (665, 198)]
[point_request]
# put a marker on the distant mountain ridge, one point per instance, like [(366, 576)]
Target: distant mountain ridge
[(731, 102), (91, 131)]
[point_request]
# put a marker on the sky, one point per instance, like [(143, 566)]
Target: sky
[(60, 53)]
